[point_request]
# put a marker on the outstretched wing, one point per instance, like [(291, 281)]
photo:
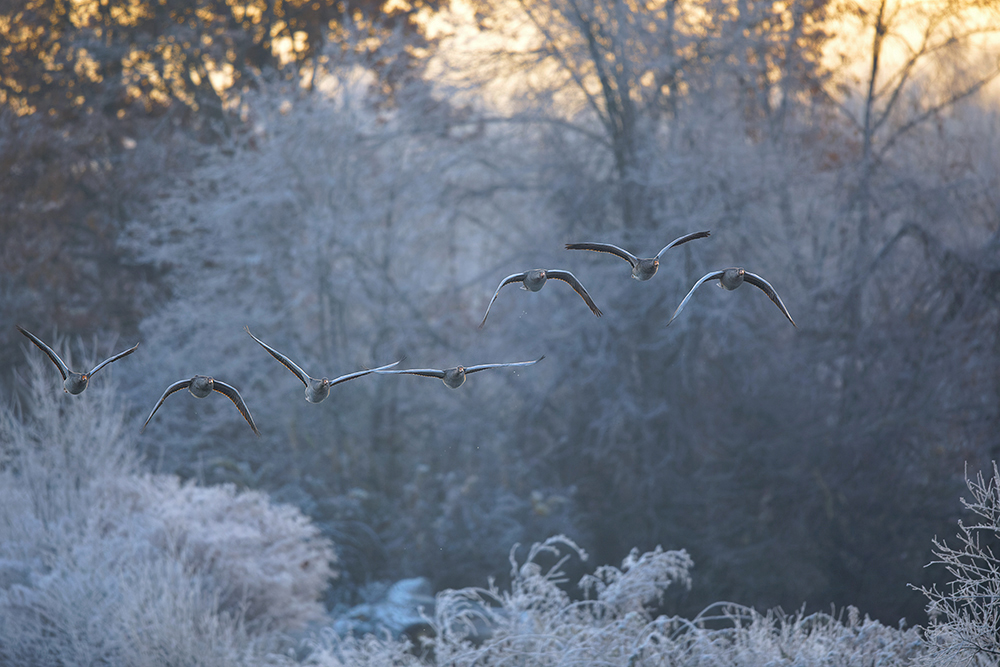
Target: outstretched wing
[(351, 376), (425, 372), (285, 361), (513, 278), (608, 248), (570, 279), (230, 392), (714, 275), (765, 286), (483, 367), (63, 368), (683, 239), (177, 386), (114, 358)]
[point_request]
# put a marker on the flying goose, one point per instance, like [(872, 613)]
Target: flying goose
[(73, 382), (642, 269), (201, 386), (455, 377), (732, 278), (535, 279), (316, 389)]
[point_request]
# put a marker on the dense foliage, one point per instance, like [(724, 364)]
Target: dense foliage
[(101, 563), (353, 216)]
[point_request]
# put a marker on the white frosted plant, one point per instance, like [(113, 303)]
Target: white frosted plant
[(537, 618), (331, 650), (139, 611), (640, 582), (965, 616), (58, 454), (101, 564), (727, 634), (265, 559), (538, 623)]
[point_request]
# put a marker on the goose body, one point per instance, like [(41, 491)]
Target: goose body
[(455, 377), (73, 382), (642, 269), (317, 389), (535, 280), (201, 386), (732, 278)]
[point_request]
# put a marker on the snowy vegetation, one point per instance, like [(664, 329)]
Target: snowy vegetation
[(104, 564), (353, 193), (101, 564)]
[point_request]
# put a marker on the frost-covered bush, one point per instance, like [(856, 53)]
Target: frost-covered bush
[(267, 561), (105, 565), (965, 616), (138, 611), (537, 622), (331, 650), (538, 618)]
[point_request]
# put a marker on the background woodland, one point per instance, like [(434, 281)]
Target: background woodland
[(352, 179)]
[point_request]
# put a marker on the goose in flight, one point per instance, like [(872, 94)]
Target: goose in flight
[(316, 389), (535, 279), (732, 278), (642, 269), (73, 382), (455, 377), (201, 386)]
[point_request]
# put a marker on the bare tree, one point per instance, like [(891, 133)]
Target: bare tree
[(617, 72), (923, 59)]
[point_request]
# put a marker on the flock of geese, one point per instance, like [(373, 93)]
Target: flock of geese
[(317, 389)]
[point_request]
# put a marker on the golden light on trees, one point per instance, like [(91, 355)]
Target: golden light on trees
[(153, 52)]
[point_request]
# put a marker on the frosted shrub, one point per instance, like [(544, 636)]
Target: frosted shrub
[(330, 650), (106, 565), (965, 618), (62, 448), (267, 560), (537, 623), (136, 612), (727, 634), (539, 619), (641, 581)]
